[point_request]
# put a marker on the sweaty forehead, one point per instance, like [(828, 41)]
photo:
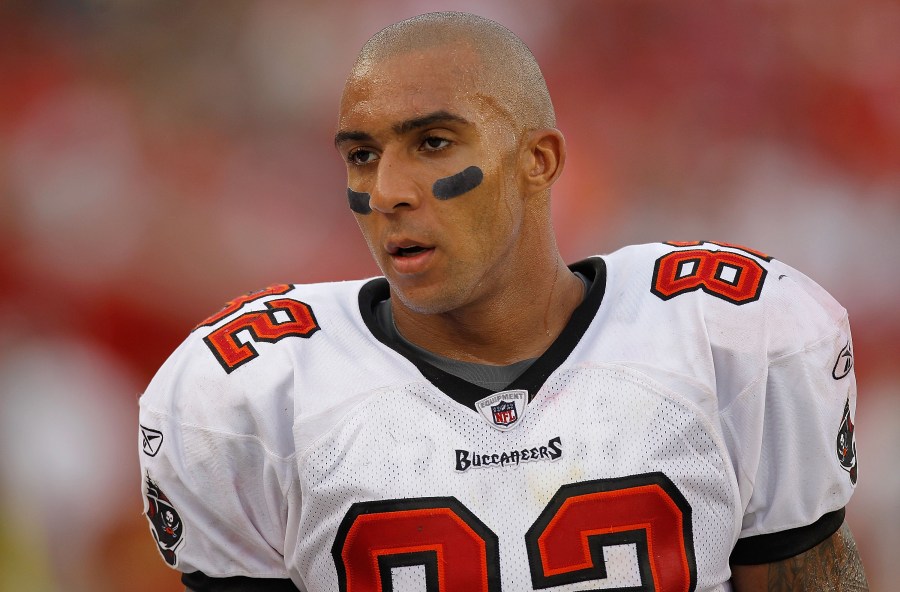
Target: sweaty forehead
[(408, 84), (455, 53)]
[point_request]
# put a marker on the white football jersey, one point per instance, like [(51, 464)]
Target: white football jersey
[(696, 409)]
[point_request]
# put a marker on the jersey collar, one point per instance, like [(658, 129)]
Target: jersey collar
[(532, 379)]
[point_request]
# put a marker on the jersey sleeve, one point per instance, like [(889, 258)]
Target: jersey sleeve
[(791, 430), (216, 463)]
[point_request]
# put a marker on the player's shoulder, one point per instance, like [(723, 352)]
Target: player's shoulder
[(720, 280), (239, 363), (728, 272)]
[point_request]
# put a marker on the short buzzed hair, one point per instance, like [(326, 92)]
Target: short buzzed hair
[(510, 67)]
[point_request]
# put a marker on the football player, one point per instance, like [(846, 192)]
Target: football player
[(671, 417)]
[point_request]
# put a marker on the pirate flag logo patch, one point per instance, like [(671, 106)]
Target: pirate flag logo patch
[(166, 524), (846, 443)]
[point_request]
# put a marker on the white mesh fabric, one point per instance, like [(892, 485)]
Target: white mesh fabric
[(611, 423)]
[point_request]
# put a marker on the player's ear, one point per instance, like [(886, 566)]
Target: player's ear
[(542, 158)]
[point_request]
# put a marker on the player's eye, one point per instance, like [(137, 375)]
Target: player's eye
[(434, 143), (361, 156)]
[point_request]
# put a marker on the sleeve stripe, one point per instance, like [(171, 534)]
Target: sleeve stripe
[(200, 582), (776, 546)]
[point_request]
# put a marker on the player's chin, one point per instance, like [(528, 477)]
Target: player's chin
[(424, 298)]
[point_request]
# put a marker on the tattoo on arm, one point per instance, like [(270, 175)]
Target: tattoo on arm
[(833, 565)]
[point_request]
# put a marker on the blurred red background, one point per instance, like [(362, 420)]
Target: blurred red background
[(159, 158)]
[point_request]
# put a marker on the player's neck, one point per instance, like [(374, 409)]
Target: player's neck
[(517, 322)]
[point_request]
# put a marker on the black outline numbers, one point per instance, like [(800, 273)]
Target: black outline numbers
[(262, 326), (564, 545), (439, 533), (730, 276)]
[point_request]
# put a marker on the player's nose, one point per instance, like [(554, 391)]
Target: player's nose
[(395, 186)]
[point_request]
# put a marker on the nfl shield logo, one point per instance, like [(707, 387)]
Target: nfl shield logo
[(503, 410), (504, 413)]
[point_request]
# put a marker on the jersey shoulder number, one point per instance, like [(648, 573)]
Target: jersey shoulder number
[(232, 342), (734, 275)]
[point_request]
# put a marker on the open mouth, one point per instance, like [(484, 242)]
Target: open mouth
[(409, 257), (409, 251)]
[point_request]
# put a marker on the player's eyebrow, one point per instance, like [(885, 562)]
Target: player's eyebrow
[(403, 127), (425, 120), (346, 136)]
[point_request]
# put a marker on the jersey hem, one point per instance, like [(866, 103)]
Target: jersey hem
[(777, 546)]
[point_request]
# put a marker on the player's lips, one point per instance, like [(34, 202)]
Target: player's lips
[(409, 256)]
